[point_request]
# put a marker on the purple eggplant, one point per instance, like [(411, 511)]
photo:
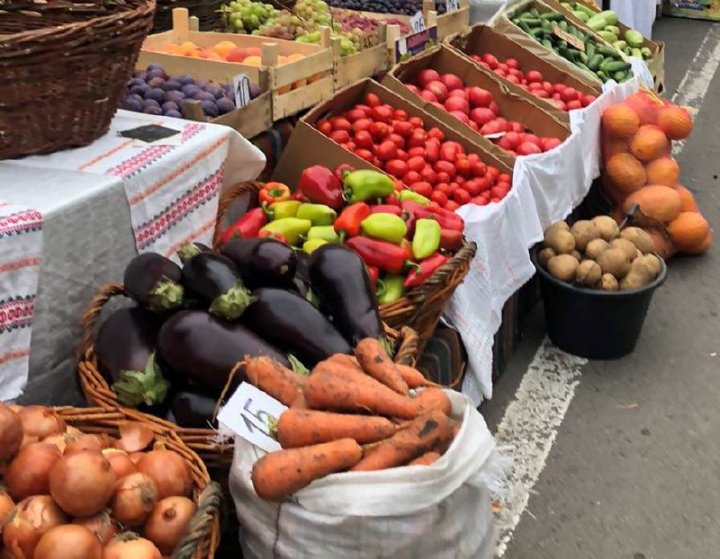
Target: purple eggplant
[(193, 408), (340, 281), (154, 282), (125, 348), (205, 348), (214, 279), (189, 250), (294, 325), (262, 262)]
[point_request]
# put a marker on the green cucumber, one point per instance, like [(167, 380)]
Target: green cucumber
[(611, 66), (563, 25), (600, 74), (614, 29), (590, 49), (548, 45), (608, 51), (597, 23), (636, 52), (609, 37), (610, 16), (582, 16), (620, 76), (634, 38), (537, 33), (620, 45), (595, 62), (583, 57), (552, 16), (580, 7), (646, 53)]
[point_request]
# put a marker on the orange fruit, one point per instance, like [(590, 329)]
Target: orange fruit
[(253, 61), (688, 200), (236, 55), (689, 231), (626, 172), (649, 143), (223, 48), (665, 171), (620, 121), (675, 122)]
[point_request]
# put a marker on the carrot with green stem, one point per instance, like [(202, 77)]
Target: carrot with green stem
[(271, 377), (351, 392), (421, 436), (297, 428), (375, 362), (282, 473)]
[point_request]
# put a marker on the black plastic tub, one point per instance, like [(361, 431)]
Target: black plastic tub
[(591, 323)]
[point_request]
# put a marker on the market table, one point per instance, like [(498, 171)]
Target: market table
[(70, 222)]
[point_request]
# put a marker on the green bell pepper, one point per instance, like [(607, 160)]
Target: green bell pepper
[(312, 245), (426, 240), (367, 185), (286, 208), (390, 289), (291, 228), (413, 196), (386, 227), (318, 214), (324, 232)]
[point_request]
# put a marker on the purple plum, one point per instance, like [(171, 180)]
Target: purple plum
[(132, 105), (151, 103), (170, 106), (152, 110), (136, 81), (174, 114), (140, 89), (185, 79), (156, 82), (204, 96), (156, 93), (190, 90), (175, 96), (156, 73), (255, 90), (225, 105), (171, 85), (210, 108)]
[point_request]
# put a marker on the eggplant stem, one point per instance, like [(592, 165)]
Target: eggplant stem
[(231, 304), (187, 252), (167, 295), (141, 387)]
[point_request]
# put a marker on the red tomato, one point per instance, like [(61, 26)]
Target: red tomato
[(416, 151), (542, 94), (493, 172), (427, 75), (513, 79), (503, 177), (444, 166), (364, 154), (480, 201), (448, 151), (528, 148), (479, 97), (363, 139), (355, 114), (432, 150), (403, 128), (383, 113), (549, 143), (362, 124), (482, 115), (574, 104), (533, 76), (484, 183), (423, 188), (402, 155), (559, 87), (417, 139), (340, 123), (512, 63), (569, 94), (399, 114), (443, 177), (463, 167), (547, 86), (372, 100), (398, 140), (494, 108), (325, 127), (490, 60), (492, 127), (587, 100), (472, 187), (451, 81), (452, 205), (479, 169), (499, 192), (459, 93), (505, 144), (460, 180), (503, 66), (439, 197), (500, 72), (379, 130), (535, 86), (428, 175), (561, 105), (461, 196), (429, 96), (503, 124), (532, 138), (387, 151), (472, 124), (457, 103), (340, 136), (442, 187), (416, 121), (416, 164), (517, 73), (411, 177), (435, 132)]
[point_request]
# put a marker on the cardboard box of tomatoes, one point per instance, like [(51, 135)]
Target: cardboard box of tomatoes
[(368, 126), (479, 104)]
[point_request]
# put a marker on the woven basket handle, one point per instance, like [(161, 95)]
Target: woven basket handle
[(200, 524), (89, 319), (226, 199), (406, 353)]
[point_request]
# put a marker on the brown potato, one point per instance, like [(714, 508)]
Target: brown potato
[(639, 276), (595, 248), (558, 226), (614, 261), (562, 242), (588, 273), (653, 263), (626, 246), (608, 283), (563, 267), (607, 225), (576, 254), (639, 238), (584, 231), (544, 255)]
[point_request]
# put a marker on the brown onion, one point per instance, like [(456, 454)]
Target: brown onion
[(136, 457), (41, 422), (68, 542), (71, 431), (134, 436), (29, 473), (11, 433), (33, 517), (84, 442), (134, 499), (82, 483), (6, 507), (129, 546), (169, 471), (121, 463), (168, 522), (59, 441), (101, 525)]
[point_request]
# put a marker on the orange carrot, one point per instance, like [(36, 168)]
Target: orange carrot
[(421, 436), (433, 399), (376, 363), (268, 375), (426, 459), (282, 473), (297, 428), (335, 392), (413, 377), (300, 403), (345, 360)]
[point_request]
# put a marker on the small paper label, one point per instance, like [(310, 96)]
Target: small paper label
[(417, 22), (452, 5), (494, 136), (241, 86), (569, 38), (409, 46), (250, 414)]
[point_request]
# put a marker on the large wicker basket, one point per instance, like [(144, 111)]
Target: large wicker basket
[(207, 12), (64, 67), (202, 537), (421, 307), (216, 454)]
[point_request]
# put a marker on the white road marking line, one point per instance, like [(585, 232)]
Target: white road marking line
[(528, 430), (694, 85), (531, 422)]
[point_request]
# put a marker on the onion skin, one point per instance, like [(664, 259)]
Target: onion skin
[(6, 507), (136, 457), (85, 442), (121, 463), (29, 473), (134, 499), (68, 542), (128, 547), (41, 422), (33, 517), (102, 526), (169, 471), (11, 433), (82, 483), (168, 522)]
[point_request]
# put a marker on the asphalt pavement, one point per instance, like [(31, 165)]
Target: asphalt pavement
[(634, 469)]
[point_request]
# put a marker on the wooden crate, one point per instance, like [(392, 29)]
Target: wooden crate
[(250, 120), (294, 86), (451, 23)]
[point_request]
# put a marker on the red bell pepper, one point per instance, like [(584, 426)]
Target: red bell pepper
[(342, 170), (274, 192), (374, 274), (348, 222), (272, 235), (446, 219), (386, 209), (321, 186), (247, 226), (450, 239), (381, 254), (422, 272)]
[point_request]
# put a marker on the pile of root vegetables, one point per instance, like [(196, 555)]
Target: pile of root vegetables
[(352, 413), (70, 495)]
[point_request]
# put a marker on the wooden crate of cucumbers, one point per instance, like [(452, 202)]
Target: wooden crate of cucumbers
[(607, 25)]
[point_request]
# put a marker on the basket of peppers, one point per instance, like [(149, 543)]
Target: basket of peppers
[(415, 252)]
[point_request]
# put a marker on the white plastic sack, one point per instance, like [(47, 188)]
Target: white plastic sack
[(484, 10), (440, 511)]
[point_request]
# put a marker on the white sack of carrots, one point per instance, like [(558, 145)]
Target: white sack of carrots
[(436, 511)]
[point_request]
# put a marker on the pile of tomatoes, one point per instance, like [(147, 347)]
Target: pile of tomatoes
[(416, 155)]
